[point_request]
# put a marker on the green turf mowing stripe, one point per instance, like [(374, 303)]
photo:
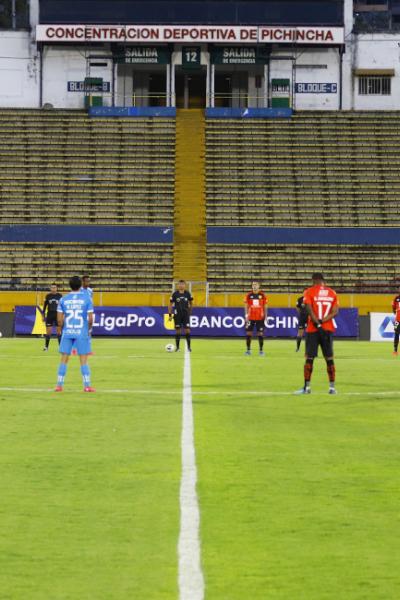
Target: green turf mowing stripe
[(89, 503), (299, 496)]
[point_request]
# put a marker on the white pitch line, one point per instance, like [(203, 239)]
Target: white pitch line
[(208, 393), (191, 580), (270, 393), (100, 390)]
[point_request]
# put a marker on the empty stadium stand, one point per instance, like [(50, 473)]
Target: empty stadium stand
[(316, 169), (59, 166), (288, 268), (117, 267)]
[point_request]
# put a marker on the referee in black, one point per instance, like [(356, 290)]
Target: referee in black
[(50, 314), (180, 307), (303, 317)]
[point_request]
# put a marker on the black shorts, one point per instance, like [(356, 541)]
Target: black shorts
[(321, 338), (51, 320), (182, 321), (302, 321), (259, 325), (397, 327)]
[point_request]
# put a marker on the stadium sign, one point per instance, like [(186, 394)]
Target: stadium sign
[(382, 327), (186, 33), (141, 55), (316, 88), (206, 322), (84, 86), (239, 55)]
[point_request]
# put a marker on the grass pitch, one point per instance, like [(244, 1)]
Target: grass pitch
[(299, 496)]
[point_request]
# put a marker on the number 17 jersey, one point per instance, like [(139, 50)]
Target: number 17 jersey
[(321, 299), (76, 307)]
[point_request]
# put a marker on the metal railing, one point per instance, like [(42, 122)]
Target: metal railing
[(241, 100), (157, 99)]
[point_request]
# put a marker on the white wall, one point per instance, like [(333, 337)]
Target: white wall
[(33, 15), (377, 51), (19, 76), (61, 64), (312, 65), (318, 66)]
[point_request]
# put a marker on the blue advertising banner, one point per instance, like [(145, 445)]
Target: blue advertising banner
[(132, 111), (248, 113), (207, 322)]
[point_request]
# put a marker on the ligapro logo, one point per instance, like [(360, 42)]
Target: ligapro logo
[(123, 321), (386, 328)]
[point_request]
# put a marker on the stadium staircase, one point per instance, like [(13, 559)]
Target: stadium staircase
[(190, 206)]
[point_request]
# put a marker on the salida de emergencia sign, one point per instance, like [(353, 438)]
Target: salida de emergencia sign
[(142, 55), (233, 55)]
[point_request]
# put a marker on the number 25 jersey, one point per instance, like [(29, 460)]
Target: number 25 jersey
[(321, 299), (76, 306)]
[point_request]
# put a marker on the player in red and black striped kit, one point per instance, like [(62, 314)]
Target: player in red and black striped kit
[(255, 312), (396, 312), (322, 307)]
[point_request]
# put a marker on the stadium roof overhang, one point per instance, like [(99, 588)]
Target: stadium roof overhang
[(381, 72)]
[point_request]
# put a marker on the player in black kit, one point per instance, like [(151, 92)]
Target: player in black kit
[(180, 306), (303, 317), (50, 314)]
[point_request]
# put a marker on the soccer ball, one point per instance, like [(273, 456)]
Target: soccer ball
[(169, 348)]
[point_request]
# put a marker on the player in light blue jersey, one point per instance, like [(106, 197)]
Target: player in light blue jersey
[(89, 291), (75, 318), (86, 288), (86, 285)]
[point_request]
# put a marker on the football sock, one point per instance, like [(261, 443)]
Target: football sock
[(298, 342), (308, 369), (177, 339), (330, 367), (85, 370), (396, 341), (188, 340), (59, 339), (248, 342), (47, 340), (62, 369), (261, 341)]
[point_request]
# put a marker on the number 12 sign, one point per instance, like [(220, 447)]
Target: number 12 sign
[(191, 56)]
